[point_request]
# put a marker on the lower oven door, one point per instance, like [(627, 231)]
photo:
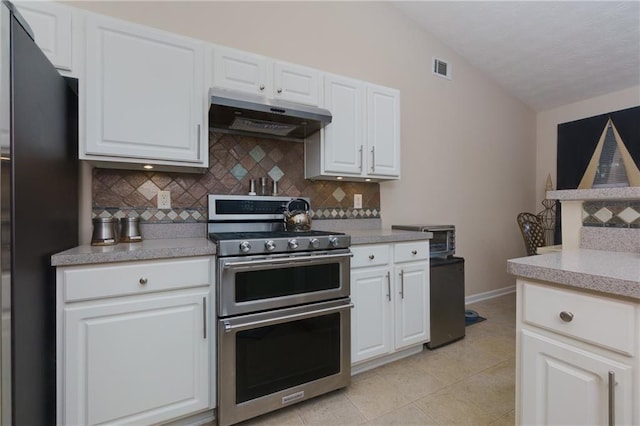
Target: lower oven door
[(247, 284), (272, 359)]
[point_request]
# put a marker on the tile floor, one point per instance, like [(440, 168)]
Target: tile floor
[(469, 382)]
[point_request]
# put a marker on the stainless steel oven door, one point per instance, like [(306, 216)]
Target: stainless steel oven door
[(248, 284), (272, 359)]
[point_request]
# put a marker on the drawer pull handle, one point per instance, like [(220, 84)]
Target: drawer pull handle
[(371, 257), (566, 316), (414, 252), (143, 281)]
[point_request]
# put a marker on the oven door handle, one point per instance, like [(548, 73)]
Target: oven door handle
[(284, 261), (228, 327)]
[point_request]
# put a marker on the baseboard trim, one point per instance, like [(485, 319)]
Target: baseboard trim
[(377, 362), (489, 294)]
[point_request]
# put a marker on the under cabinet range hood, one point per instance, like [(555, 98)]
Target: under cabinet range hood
[(255, 115)]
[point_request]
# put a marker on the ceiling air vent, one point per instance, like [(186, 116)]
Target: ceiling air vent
[(441, 68)]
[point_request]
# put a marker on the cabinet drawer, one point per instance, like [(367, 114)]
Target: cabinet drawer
[(600, 321), (370, 255), (415, 250), (81, 283)]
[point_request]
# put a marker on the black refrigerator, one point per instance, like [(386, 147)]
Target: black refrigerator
[(39, 217)]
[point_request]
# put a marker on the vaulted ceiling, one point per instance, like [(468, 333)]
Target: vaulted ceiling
[(546, 53)]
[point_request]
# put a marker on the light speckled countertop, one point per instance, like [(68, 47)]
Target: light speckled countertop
[(381, 236), (184, 247), (145, 250), (606, 272)]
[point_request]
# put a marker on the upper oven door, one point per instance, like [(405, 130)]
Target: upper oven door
[(257, 283)]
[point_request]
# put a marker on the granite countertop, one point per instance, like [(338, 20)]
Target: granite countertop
[(145, 250), (183, 247), (606, 272), (380, 236), (617, 193)]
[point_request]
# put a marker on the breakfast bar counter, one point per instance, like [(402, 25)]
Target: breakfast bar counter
[(606, 272)]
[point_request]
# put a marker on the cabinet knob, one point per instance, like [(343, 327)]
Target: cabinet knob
[(566, 316), (371, 257), (414, 252), (262, 87), (143, 281), (279, 90)]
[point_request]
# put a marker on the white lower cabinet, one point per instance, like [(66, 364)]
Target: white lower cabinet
[(136, 357), (390, 291), (565, 385), (412, 304), (371, 318), (576, 359)]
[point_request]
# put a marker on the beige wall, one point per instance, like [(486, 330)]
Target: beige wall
[(547, 128), (468, 147)]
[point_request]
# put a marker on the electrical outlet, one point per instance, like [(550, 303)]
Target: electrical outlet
[(164, 199), (357, 201)]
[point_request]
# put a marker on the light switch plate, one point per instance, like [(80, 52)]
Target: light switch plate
[(357, 201)]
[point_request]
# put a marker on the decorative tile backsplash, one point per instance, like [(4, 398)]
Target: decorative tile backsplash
[(612, 214), (233, 160)]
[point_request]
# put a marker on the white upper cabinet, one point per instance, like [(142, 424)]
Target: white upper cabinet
[(295, 83), (237, 70), (243, 71), (383, 131), (363, 140), (344, 137), (145, 99), (52, 25)]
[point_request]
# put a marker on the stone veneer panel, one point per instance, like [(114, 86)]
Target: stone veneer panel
[(233, 160)]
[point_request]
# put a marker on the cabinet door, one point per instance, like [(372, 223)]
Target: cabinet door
[(237, 70), (145, 94), (136, 360), (412, 304), (344, 136), (383, 131), (564, 385), (371, 316), (296, 83), (51, 25)]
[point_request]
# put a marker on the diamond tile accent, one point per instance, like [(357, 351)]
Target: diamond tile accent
[(603, 214), (172, 215), (184, 215), (238, 171), (339, 194), (275, 173), (146, 215), (257, 153), (148, 190), (160, 215), (629, 215)]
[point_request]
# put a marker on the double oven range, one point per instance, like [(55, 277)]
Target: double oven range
[(283, 308)]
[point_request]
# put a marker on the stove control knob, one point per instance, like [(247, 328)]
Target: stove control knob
[(333, 241), (293, 244), (270, 245), (245, 246), (314, 243)]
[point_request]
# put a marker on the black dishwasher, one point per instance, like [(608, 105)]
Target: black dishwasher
[(446, 300)]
